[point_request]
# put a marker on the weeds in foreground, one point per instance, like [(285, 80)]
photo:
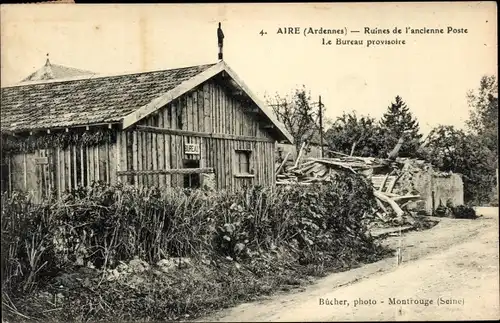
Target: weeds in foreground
[(57, 256)]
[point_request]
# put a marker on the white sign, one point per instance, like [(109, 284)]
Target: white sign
[(41, 160), (192, 149)]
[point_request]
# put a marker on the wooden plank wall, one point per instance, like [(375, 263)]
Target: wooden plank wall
[(209, 108), (139, 150), (66, 169), (156, 151), (81, 166)]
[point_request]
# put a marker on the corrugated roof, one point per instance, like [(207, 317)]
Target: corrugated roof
[(86, 101)]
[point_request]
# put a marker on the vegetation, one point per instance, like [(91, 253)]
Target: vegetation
[(463, 212), (452, 149), (298, 114), (28, 143), (472, 152), (125, 254), (457, 212), (365, 136), (121, 253), (354, 135), (483, 120), (396, 122)]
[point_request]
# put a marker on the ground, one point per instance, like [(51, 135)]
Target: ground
[(455, 261)]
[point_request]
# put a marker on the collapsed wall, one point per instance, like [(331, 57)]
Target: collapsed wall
[(413, 184), (434, 188), (439, 189)]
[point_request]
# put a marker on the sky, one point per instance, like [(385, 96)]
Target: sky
[(431, 72)]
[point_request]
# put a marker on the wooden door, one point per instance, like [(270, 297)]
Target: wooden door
[(42, 171)]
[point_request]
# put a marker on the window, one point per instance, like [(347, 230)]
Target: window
[(155, 120), (242, 162), (191, 180)]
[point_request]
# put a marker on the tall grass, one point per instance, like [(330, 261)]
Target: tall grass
[(269, 232)]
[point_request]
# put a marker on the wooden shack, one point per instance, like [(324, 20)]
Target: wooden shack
[(184, 127)]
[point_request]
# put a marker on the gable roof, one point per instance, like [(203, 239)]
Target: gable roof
[(53, 71), (124, 99)]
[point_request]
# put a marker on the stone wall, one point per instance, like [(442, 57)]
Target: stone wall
[(435, 189), (449, 188)]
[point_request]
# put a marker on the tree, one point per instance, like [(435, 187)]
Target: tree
[(451, 149), (398, 121), (483, 121), (483, 118), (298, 114), (353, 135)]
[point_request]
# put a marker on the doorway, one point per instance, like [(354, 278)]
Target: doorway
[(191, 180)]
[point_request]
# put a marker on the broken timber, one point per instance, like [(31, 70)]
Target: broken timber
[(393, 201)]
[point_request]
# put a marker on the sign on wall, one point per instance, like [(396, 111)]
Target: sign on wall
[(41, 160), (192, 149)]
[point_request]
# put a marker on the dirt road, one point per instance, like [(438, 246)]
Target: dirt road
[(453, 268)]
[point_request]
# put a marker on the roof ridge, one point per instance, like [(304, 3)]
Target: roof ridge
[(91, 100), (71, 68), (96, 75), (120, 98)]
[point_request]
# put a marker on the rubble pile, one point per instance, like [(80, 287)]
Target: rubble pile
[(321, 169), (397, 200)]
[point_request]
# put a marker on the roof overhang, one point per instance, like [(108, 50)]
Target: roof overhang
[(195, 81)]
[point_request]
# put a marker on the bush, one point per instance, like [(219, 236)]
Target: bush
[(241, 244), (494, 201), (457, 212), (463, 212)]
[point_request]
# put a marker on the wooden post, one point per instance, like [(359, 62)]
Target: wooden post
[(118, 155), (497, 181), (10, 174), (154, 157), (395, 151), (107, 161), (433, 202), (299, 155), (96, 163), (91, 166), (88, 165), (135, 159), (25, 172), (67, 167), (75, 168), (46, 174), (282, 163), (82, 167)]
